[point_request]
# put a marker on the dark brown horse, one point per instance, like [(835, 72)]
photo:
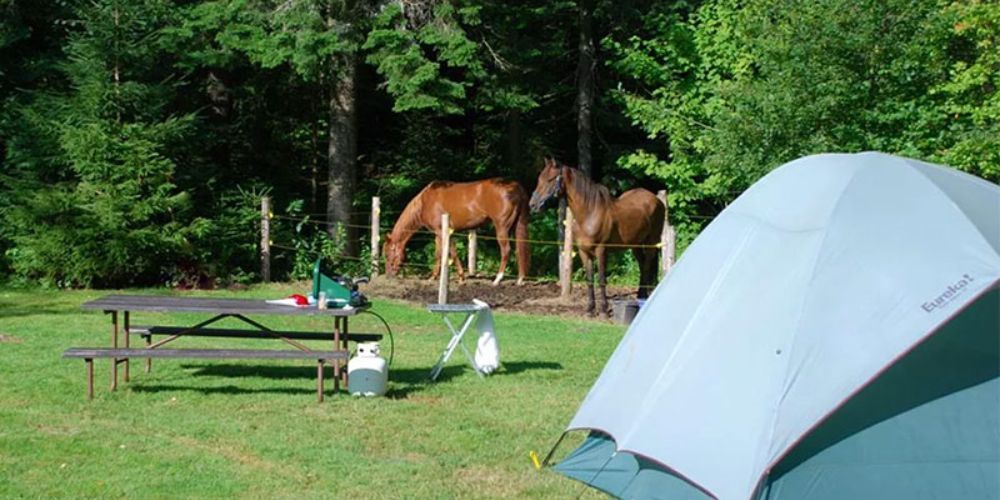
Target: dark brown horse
[(469, 205), (602, 223)]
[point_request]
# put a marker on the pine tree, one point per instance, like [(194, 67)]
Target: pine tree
[(99, 206)]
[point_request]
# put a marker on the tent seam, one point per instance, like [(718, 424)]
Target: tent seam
[(716, 285), (798, 322)]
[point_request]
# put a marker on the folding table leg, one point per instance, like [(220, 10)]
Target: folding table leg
[(456, 340), (472, 360)]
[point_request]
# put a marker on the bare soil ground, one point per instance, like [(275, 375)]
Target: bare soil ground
[(531, 297)]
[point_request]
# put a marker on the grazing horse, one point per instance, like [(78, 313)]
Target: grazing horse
[(601, 222), (469, 205)]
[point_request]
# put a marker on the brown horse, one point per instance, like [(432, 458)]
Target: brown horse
[(469, 205), (602, 223)]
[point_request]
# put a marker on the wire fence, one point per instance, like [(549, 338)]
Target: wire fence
[(453, 232), (382, 226)]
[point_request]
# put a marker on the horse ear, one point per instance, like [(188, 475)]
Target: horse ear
[(549, 161)]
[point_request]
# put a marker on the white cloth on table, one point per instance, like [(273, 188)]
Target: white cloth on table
[(487, 348)]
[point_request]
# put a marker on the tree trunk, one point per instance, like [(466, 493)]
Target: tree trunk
[(585, 87), (342, 149), (516, 165)]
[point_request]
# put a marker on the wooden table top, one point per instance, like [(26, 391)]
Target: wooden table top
[(168, 303)]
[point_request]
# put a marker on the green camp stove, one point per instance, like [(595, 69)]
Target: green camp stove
[(339, 291)]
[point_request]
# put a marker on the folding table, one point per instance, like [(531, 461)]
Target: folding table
[(471, 312)]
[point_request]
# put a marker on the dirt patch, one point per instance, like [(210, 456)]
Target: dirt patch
[(9, 339), (532, 297)]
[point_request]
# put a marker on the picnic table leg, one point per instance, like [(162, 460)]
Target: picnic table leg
[(114, 344), (149, 361), (336, 346), (319, 381), (344, 339), (126, 345), (90, 377)]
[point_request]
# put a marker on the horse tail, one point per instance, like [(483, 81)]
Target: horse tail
[(521, 238)]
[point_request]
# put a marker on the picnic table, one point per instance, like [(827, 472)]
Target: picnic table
[(121, 307)]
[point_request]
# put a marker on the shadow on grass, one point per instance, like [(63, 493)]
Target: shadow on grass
[(403, 382), (229, 389), (262, 371), (410, 380), (9, 310)]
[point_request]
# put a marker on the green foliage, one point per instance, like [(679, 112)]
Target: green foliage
[(310, 241), (414, 80), (732, 89), (152, 173), (971, 110), (296, 33), (99, 207)]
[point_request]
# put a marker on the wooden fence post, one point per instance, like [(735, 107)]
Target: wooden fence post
[(566, 257), (265, 238), (473, 244), (667, 236), (375, 234), (445, 258)]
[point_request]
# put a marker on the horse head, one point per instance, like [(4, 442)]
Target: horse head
[(550, 184), (393, 252)]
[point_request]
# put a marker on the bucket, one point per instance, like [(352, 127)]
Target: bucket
[(624, 311)]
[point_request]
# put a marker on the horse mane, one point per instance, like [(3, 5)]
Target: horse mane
[(409, 220), (592, 192)]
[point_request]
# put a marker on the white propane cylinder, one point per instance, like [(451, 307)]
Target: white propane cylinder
[(366, 371)]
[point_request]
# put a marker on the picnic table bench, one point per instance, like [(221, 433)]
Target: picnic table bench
[(240, 309), (89, 354)]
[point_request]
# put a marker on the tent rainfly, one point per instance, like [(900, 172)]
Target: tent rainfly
[(834, 333)]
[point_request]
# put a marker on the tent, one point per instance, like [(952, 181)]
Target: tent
[(834, 333)]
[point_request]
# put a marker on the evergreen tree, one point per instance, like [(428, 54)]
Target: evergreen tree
[(96, 203)]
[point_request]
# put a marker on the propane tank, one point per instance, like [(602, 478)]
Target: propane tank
[(367, 372)]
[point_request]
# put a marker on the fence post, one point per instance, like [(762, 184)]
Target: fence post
[(473, 244), (445, 258), (265, 238), (566, 257), (375, 235), (667, 236)]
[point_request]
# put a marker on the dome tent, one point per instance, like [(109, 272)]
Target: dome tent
[(833, 333)]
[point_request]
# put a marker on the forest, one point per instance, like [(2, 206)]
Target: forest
[(137, 137)]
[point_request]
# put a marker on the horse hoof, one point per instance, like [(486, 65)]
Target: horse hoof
[(520, 282)]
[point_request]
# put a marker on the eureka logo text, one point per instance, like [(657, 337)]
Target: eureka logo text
[(948, 295)]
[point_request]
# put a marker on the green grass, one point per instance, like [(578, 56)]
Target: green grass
[(253, 429)]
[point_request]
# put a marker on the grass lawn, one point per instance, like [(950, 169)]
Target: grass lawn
[(253, 428)]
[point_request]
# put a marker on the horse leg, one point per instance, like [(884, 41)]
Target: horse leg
[(602, 264), (588, 266), (521, 245), (458, 264), (646, 258), (652, 255), (503, 239)]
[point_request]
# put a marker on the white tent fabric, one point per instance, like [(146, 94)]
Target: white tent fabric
[(799, 294)]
